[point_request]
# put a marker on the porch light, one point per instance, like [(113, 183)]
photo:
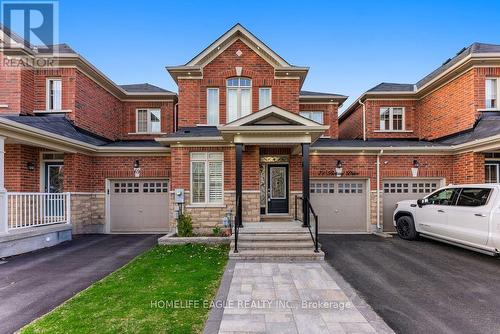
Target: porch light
[(414, 169), (339, 169), (137, 168), (30, 166)]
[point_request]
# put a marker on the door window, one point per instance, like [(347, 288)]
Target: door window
[(55, 178), (443, 197), (473, 197)]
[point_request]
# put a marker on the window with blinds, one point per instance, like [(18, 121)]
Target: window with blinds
[(212, 106), (54, 94), (207, 178), (148, 121)]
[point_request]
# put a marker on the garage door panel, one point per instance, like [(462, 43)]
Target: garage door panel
[(396, 190), (340, 205), (138, 206)]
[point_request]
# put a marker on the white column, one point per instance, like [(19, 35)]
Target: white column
[(3, 191)]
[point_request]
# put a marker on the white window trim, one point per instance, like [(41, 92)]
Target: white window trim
[(497, 167), (498, 94), (218, 105), (270, 96), (207, 203), (238, 98), (137, 132), (310, 111), (391, 124), (47, 94)]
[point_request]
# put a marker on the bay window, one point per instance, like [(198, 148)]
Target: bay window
[(148, 121), (316, 116), (491, 93), (207, 175), (392, 119), (213, 106), (264, 98), (239, 98), (54, 94)]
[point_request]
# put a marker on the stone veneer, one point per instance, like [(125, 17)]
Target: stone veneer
[(206, 218), (88, 212), (373, 210)]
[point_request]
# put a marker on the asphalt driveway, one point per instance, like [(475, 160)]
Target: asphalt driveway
[(33, 284), (420, 286)]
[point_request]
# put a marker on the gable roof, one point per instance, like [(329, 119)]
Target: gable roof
[(271, 115), (476, 53), (226, 39), (194, 67), (392, 87), (144, 88)]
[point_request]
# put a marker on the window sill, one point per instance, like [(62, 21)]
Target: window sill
[(393, 131), (4, 105), (489, 109), (200, 206), (65, 111), (146, 133)]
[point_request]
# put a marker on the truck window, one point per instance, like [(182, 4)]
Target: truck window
[(443, 197), (474, 197)]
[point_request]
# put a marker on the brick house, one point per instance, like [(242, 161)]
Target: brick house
[(239, 137)]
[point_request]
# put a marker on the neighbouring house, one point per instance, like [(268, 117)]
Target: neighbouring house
[(81, 154)]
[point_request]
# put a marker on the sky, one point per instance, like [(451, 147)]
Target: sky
[(350, 46)]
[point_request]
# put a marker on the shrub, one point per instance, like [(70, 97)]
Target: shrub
[(185, 226), (217, 231)]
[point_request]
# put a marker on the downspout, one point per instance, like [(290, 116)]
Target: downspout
[(378, 190), (176, 122), (364, 119)]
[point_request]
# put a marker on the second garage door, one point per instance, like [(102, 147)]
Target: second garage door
[(139, 206), (404, 189), (340, 205)]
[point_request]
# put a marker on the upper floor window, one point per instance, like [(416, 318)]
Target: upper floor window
[(491, 93), (316, 116), (392, 119), (265, 99), (212, 106), (148, 121), (239, 98), (54, 96)]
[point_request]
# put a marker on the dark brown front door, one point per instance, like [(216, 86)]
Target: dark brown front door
[(277, 189)]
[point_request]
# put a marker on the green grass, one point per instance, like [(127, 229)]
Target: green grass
[(121, 303)]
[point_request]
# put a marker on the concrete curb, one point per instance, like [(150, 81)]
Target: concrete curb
[(172, 239)]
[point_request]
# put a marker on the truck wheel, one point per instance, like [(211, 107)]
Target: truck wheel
[(406, 228)]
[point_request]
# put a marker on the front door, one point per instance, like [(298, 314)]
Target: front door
[(54, 176), (277, 189)]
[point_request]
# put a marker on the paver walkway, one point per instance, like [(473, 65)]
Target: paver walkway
[(294, 298)]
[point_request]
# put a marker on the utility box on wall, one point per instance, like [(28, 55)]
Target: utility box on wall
[(179, 196)]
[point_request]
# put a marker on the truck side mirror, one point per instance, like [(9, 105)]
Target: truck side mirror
[(421, 202)]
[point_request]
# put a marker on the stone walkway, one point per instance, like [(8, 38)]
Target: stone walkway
[(290, 298)]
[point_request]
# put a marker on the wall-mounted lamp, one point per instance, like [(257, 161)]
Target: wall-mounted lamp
[(414, 169), (137, 168), (338, 168), (30, 166)]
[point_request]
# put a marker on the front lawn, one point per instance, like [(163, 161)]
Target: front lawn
[(139, 297)]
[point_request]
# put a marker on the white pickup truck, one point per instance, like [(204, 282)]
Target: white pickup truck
[(464, 215)]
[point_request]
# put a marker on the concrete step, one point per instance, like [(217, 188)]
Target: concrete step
[(278, 255), (276, 218), (275, 237), (274, 245)]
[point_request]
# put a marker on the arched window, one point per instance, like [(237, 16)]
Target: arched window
[(239, 98)]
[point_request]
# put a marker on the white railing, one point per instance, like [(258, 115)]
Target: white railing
[(37, 209)]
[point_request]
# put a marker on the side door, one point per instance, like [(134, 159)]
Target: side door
[(469, 219), (433, 216)]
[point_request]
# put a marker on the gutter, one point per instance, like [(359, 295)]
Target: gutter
[(378, 191), (76, 144)]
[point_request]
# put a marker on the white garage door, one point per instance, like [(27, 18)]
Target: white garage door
[(404, 189), (139, 206), (340, 205)]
